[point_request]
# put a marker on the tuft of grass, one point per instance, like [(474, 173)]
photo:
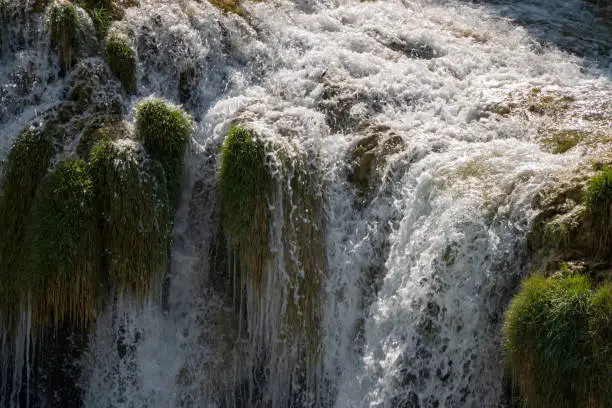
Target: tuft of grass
[(102, 13), (135, 218), (64, 247), (550, 342), (62, 19), (122, 60), (598, 199), (26, 166), (164, 129), (244, 184)]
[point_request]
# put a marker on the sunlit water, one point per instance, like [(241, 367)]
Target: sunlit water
[(418, 272)]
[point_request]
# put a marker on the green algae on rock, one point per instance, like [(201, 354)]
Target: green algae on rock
[(551, 334), (133, 204), (122, 60), (64, 247), (164, 130)]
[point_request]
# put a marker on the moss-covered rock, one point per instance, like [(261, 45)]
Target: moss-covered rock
[(244, 184), (64, 247), (164, 129), (551, 335), (598, 199), (71, 31), (229, 6), (110, 127), (27, 164), (122, 60), (133, 204)]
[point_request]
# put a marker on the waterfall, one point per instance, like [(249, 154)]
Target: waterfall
[(415, 125)]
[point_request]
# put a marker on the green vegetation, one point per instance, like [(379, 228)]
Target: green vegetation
[(244, 184), (164, 130), (27, 164), (229, 6), (64, 248), (561, 141), (552, 334), (102, 13), (598, 199), (133, 205), (62, 21), (122, 60)]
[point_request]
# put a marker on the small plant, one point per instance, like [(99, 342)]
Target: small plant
[(133, 205), (598, 199), (164, 130), (122, 61), (244, 183), (62, 21), (27, 164), (64, 247), (551, 339)]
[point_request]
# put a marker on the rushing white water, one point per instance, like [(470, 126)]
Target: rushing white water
[(419, 271)]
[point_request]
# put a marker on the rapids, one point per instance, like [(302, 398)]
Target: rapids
[(418, 269)]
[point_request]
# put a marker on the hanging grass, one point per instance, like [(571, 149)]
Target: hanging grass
[(164, 130), (244, 184), (136, 227), (551, 335), (27, 164), (304, 247), (598, 199), (62, 21), (64, 247), (122, 60)]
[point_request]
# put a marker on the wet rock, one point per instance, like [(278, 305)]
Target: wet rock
[(346, 109), (413, 49), (368, 158)]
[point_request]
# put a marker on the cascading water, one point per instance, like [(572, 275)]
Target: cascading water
[(425, 193)]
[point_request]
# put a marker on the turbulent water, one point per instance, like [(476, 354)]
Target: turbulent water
[(418, 268)]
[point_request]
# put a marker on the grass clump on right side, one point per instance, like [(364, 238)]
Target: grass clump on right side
[(553, 335), (164, 129), (598, 199), (122, 61), (244, 184)]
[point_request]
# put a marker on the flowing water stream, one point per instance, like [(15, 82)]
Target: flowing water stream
[(419, 260)]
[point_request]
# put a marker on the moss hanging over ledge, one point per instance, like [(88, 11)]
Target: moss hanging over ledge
[(244, 184), (164, 129), (122, 60), (27, 164), (136, 227), (64, 247), (556, 336), (71, 31)]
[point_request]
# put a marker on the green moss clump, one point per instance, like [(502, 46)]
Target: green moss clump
[(136, 227), (64, 247), (598, 199), (244, 184), (164, 130), (27, 164), (122, 60), (551, 340), (62, 21)]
